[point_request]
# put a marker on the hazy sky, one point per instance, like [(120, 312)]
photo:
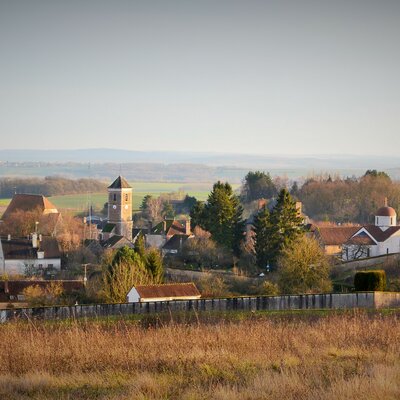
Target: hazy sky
[(293, 77)]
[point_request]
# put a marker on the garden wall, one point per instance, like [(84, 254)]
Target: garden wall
[(372, 300)]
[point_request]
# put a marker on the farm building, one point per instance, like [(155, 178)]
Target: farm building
[(167, 292)]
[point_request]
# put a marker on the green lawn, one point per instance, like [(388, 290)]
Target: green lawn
[(79, 202)]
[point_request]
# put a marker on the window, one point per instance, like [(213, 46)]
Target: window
[(115, 197), (126, 197)]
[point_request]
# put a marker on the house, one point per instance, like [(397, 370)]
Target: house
[(375, 240), (165, 292), (332, 239), (174, 245), (161, 233), (48, 216), (13, 290), (38, 253), (350, 243)]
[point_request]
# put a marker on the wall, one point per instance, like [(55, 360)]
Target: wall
[(374, 262), (370, 300)]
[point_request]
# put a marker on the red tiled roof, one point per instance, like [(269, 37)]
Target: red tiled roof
[(168, 290), (29, 202), (336, 236), (361, 240), (386, 211), (379, 235)]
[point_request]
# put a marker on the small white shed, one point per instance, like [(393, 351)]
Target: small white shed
[(165, 292)]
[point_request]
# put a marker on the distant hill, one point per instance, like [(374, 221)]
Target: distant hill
[(105, 164)]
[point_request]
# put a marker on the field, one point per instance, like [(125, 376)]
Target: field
[(350, 355), (79, 202)]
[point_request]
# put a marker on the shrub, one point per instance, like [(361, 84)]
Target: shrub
[(370, 280)]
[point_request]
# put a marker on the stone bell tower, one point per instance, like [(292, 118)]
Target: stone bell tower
[(120, 207)]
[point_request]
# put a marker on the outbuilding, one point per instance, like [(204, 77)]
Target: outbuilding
[(165, 292)]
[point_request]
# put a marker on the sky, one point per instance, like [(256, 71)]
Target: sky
[(264, 77)]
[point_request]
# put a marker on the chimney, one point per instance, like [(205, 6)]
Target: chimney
[(34, 241), (386, 202), (164, 225), (187, 226), (8, 237), (40, 237), (6, 289)]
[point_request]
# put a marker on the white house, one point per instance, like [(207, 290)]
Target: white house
[(36, 253), (167, 292), (375, 240)]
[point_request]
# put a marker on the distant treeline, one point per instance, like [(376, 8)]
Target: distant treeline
[(348, 200), (49, 186), (327, 198)]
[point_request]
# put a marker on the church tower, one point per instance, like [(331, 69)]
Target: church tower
[(120, 207)]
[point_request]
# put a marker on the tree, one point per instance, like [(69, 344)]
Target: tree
[(276, 230), (197, 215), (154, 265), (167, 210), (377, 174), (201, 249), (119, 279), (304, 268), (223, 217), (263, 234), (140, 247), (258, 185)]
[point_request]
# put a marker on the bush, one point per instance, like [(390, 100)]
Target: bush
[(370, 281)]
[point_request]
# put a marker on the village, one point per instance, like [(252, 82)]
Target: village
[(122, 258)]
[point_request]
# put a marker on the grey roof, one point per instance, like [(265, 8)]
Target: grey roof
[(120, 183), (176, 242), (22, 249), (116, 242)]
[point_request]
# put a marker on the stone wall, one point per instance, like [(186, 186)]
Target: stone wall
[(272, 303)]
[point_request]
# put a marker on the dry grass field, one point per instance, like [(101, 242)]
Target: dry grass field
[(338, 356)]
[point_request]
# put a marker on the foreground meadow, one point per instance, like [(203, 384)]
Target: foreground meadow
[(347, 356)]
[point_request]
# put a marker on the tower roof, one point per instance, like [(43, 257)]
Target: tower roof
[(120, 183), (386, 211)]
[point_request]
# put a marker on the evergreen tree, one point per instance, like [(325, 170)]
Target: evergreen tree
[(276, 230), (140, 247), (154, 265), (258, 185), (197, 215), (262, 239), (222, 217)]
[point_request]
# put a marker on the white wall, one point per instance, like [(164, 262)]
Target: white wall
[(18, 267), (133, 296)]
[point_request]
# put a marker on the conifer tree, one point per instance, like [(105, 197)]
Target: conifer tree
[(276, 230), (223, 217), (154, 265)]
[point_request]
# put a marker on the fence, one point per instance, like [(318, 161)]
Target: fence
[(372, 300)]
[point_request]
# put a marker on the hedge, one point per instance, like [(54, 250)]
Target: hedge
[(370, 281)]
